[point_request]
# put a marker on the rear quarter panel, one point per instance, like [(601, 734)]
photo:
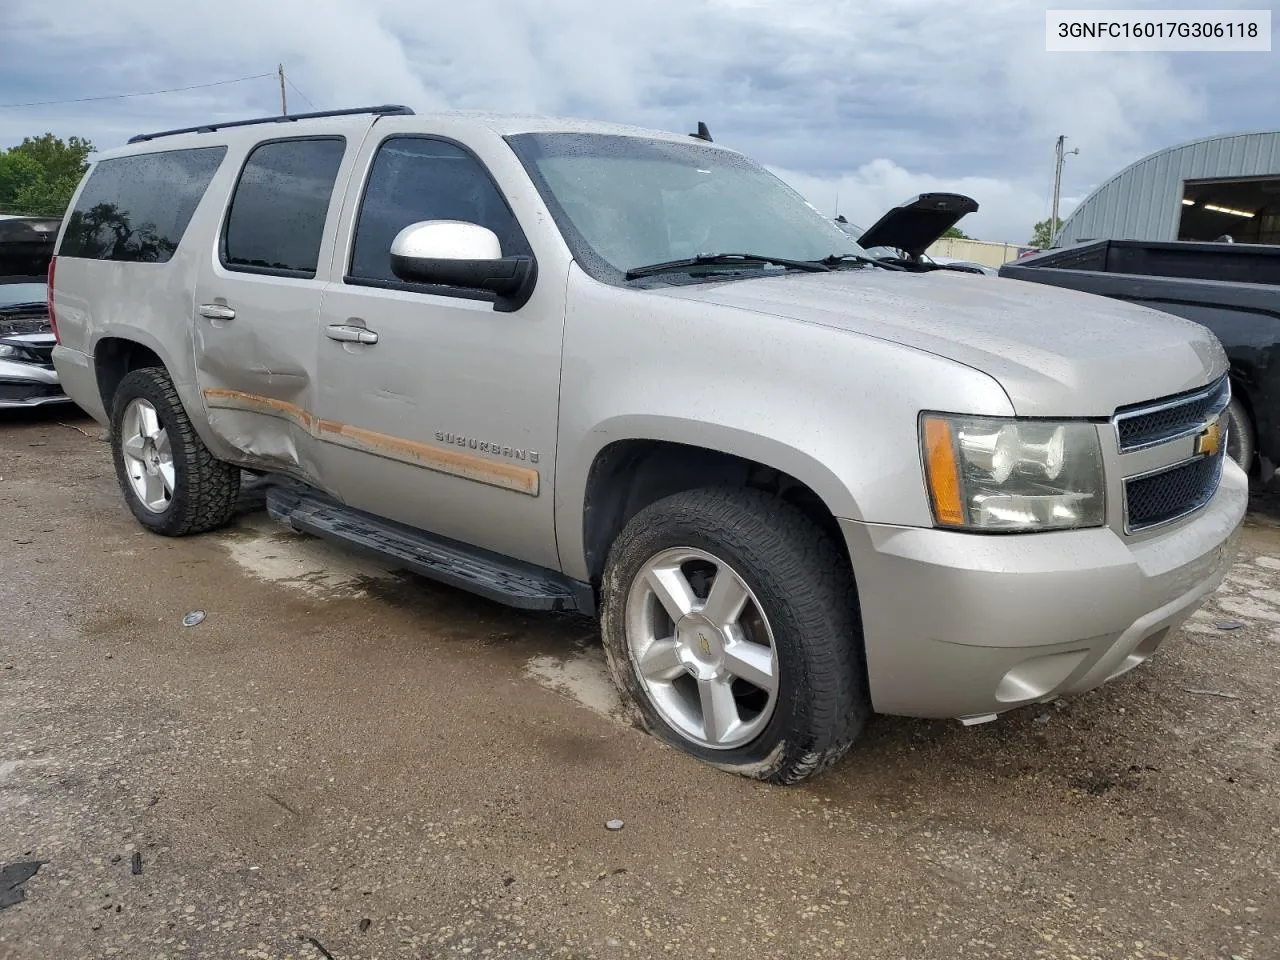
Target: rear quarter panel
[(148, 303)]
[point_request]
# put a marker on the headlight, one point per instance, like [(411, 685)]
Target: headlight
[(7, 350), (1013, 475)]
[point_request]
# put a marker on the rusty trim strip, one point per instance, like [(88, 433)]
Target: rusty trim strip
[(456, 463), (252, 403)]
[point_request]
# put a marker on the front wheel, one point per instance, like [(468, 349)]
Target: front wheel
[(730, 621), (172, 483)]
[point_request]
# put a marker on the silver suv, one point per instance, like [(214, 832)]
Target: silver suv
[(584, 367)]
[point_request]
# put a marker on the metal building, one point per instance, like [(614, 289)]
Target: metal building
[(1202, 190)]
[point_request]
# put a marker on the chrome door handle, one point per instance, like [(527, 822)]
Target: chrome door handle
[(216, 311), (347, 333)]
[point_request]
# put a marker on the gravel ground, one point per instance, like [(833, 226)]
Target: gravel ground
[(341, 761)]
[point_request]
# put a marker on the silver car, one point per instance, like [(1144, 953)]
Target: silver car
[(577, 366), (27, 375)]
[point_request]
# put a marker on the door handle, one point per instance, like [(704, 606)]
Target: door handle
[(347, 333), (216, 311)]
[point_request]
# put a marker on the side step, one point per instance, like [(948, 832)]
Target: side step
[(491, 575)]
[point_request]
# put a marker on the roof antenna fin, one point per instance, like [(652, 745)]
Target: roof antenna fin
[(703, 133)]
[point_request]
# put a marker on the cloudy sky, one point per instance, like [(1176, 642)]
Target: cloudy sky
[(870, 101)]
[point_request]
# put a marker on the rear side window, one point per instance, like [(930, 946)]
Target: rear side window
[(280, 205), (416, 178), (136, 209)]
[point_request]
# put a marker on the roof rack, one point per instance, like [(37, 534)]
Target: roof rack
[(385, 110)]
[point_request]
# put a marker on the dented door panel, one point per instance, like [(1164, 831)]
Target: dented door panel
[(257, 304)]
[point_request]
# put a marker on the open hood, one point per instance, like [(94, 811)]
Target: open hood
[(913, 225), (26, 244)]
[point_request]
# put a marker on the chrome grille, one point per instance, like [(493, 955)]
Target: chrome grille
[(1171, 493), (1166, 420), (1191, 470)]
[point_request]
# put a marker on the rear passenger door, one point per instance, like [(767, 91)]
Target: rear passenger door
[(257, 301)]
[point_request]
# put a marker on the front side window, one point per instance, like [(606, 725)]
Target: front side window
[(417, 178), (280, 205), (624, 202), (136, 209)]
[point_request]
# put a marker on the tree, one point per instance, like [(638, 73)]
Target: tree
[(1042, 236), (955, 233), (39, 175)]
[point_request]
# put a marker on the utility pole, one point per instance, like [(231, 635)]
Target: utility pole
[(284, 104), (1060, 156)]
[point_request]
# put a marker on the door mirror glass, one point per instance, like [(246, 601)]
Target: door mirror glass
[(459, 254)]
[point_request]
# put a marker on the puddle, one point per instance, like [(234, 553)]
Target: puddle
[(582, 677), (273, 553)]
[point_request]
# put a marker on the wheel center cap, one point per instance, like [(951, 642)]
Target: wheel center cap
[(700, 641)]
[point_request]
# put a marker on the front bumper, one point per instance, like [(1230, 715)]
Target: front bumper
[(28, 385), (966, 625)]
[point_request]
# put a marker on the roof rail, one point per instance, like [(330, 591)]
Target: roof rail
[(385, 110)]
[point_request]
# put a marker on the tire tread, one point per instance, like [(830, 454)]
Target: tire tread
[(799, 565), (207, 489)]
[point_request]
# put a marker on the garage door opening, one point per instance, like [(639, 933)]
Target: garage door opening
[(1247, 211)]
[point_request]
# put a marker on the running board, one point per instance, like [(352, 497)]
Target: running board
[(491, 575)]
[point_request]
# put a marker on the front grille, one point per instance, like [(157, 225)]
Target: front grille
[(22, 390), (1166, 420), (1172, 493)]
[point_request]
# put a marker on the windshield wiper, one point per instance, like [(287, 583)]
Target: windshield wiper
[(704, 259), (23, 307), (838, 258)]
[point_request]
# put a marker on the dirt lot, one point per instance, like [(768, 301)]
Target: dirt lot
[(341, 761)]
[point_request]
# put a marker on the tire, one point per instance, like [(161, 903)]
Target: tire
[(196, 492), (800, 597), (1241, 444)]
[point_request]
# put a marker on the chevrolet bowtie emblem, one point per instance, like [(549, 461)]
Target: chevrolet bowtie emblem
[(1210, 440)]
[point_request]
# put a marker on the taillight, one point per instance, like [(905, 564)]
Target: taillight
[(53, 321)]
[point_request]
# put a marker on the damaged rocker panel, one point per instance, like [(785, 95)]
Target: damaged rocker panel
[(467, 466)]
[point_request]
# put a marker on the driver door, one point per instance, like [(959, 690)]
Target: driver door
[(442, 415)]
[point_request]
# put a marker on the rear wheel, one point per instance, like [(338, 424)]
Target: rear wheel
[(730, 621), (172, 483)]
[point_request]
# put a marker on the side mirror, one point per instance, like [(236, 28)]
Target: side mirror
[(460, 254)]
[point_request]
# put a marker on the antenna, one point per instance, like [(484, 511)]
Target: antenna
[(703, 133)]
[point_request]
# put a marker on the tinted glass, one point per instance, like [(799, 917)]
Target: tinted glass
[(416, 179), (280, 206), (11, 293), (137, 208), (633, 201)]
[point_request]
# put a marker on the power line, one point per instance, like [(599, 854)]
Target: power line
[(300, 93), (148, 93)]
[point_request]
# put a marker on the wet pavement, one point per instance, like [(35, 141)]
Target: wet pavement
[(343, 761)]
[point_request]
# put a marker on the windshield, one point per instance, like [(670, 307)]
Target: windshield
[(11, 293), (624, 202)]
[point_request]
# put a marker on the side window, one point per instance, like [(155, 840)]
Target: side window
[(136, 209), (416, 178), (280, 205)]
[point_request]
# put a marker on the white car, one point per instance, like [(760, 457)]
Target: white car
[(27, 376)]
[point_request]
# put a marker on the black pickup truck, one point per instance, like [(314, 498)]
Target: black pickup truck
[(1233, 289)]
